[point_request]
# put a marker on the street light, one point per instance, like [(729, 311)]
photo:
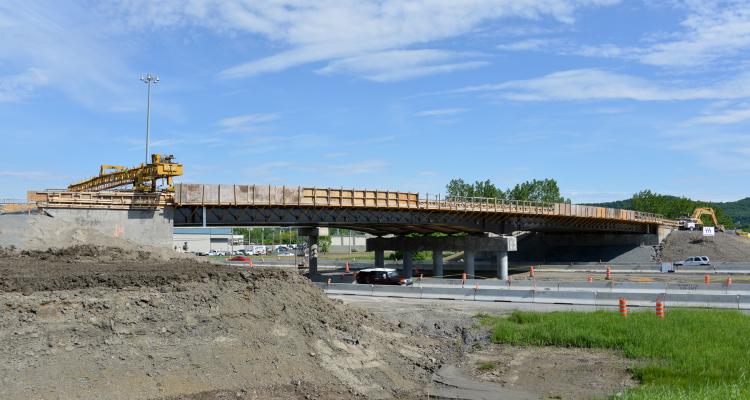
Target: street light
[(148, 79)]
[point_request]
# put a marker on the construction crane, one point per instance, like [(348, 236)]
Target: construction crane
[(694, 221), (143, 178)]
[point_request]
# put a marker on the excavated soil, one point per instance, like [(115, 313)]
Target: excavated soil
[(727, 247), (553, 372), (94, 323)]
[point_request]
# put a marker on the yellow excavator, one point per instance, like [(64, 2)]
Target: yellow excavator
[(143, 178), (695, 222)]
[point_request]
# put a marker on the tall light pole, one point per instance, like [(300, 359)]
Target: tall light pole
[(148, 79)]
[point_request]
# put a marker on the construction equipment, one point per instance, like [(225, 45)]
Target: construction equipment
[(695, 222), (143, 178)]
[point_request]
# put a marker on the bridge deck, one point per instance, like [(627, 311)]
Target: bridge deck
[(297, 196)]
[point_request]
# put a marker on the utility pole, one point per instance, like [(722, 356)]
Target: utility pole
[(148, 79)]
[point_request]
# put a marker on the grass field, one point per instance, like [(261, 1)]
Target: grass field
[(691, 354)]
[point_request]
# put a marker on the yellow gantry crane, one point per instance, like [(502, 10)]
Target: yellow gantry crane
[(143, 178)]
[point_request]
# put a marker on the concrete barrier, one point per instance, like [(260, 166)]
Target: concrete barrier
[(346, 288), (584, 286), (503, 295), (701, 300), (567, 297), (413, 292), (633, 299), (447, 293), (646, 287)]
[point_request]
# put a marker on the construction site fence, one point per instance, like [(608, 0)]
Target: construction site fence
[(268, 195), (601, 298)]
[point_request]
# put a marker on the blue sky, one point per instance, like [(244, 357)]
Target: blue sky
[(608, 97)]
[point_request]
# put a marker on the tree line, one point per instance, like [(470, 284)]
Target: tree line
[(672, 207), (545, 190)]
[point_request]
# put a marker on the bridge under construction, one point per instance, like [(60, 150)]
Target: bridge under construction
[(489, 223)]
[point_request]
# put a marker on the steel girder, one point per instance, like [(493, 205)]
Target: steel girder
[(395, 221)]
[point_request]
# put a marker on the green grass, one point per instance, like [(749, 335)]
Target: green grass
[(486, 366), (689, 355)]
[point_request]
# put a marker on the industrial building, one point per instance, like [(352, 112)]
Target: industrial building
[(203, 240)]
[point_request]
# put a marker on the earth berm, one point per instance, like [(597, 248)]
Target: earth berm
[(96, 323)]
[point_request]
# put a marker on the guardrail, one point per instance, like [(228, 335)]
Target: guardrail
[(717, 298)]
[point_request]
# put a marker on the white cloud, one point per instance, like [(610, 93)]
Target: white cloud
[(398, 65), (732, 149), (441, 112), (18, 87), (246, 123), (330, 30), (528, 44), (724, 117), (65, 45), (712, 31), (595, 84)]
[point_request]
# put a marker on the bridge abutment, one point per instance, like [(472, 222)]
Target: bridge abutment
[(63, 227)]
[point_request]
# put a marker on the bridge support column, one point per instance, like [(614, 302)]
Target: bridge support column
[(379, 258), (408, 264), (312, 253), (469, 263), (502, 265), (312, 261), (437, 262)]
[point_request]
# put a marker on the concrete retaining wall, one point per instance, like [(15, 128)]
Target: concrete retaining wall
[(66, 227)]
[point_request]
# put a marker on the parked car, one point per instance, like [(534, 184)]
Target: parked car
[(694, 261), (382, 276)]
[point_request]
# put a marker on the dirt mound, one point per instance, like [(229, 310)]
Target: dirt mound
[(245, 334), (727, 247), (81, 267)]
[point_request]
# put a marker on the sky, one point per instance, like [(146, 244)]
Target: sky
[(607, 97)]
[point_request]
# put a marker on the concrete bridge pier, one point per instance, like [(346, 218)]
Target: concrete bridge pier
[(502, 265), (380, 258), (408, 263), (470, 245), (312, 254), (469, 263), (437, 262)]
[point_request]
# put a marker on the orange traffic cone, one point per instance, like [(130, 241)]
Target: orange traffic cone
[(707, 279), (729, 281), (463, 279), (346, 267), (659, 308), (531, 272), (623, 307), (590, 279), (250, 263), (609, 274)]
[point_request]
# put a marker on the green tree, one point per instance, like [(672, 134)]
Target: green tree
[(324, 243), (545, 190)]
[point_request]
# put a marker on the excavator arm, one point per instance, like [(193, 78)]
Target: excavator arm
[(701, 211)]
